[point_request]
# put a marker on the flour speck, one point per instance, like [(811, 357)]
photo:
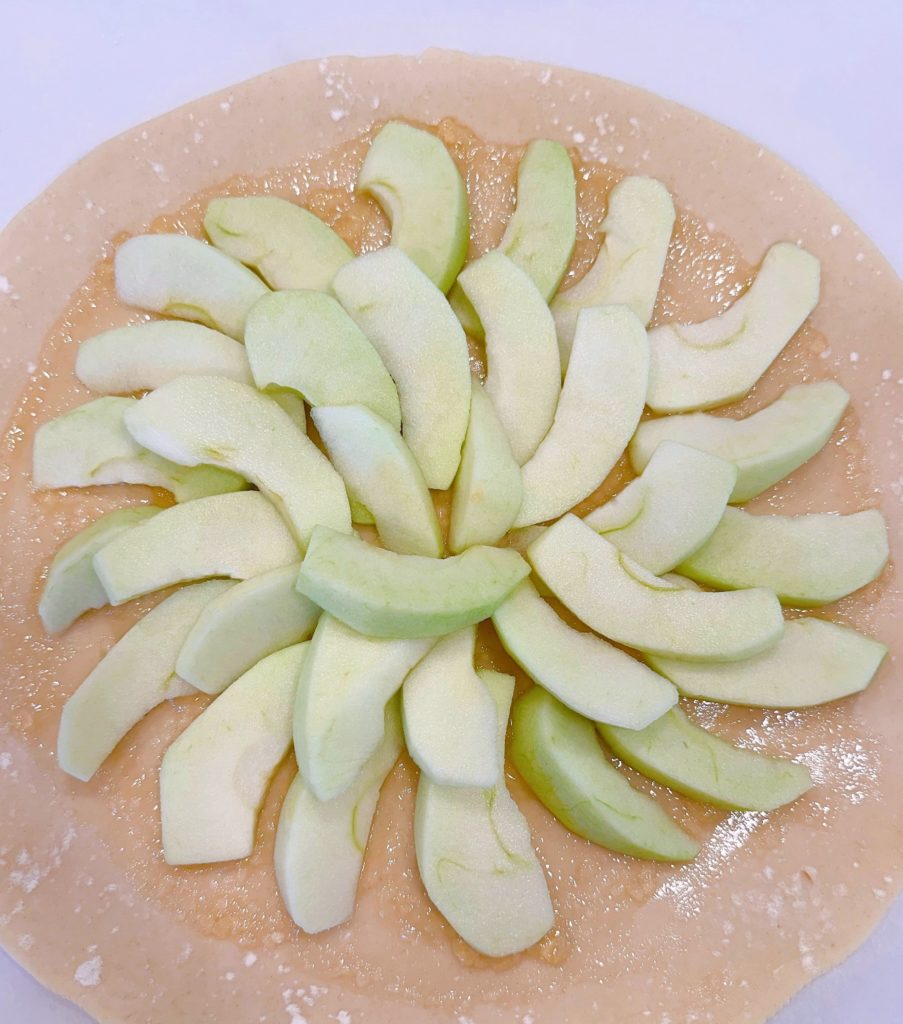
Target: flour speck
[(88, 974), (5, 286), (250, 959)]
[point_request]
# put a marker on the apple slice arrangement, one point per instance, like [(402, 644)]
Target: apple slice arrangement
[(349, 644)]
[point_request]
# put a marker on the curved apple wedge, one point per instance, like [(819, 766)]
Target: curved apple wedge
[(558, 754), (235, 535), (476, 858), (670, 511), (135, 675), (186, 278), (686, 758), (807, 560), (600, 405), (215, 776), (702, 365), (320, 844), (765, 447), (346, 681), (410, 173), (383, 594), (287, 245), (195, 420), (450, 718), (616, 597)]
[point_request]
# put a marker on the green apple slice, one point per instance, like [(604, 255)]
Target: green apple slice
[(72, 586), (476, 858), (379, 470), (305, 341), (600, 405), (252, 620), (670, 511), (487, 492), (89, 446), (136, 674), (422, 346), (616, 597), (765, 447), (320, 844), (628, 269), (807, 560), (215, 776), (291, 404), (145, 356), (450, 718), (346, 682), (524, 368), (592, 677), (814, 662), (702, 365), (234, 535), (212, 420), (186, 278), (410, 173), (558, 754), (686, 758), (287, 245), (383, 594)]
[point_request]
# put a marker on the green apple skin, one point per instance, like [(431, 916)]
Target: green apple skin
[(287, 245), (253, 619), (476, 858), (234, 535), (594, 678), (557, 753), (382, 594), (616, 597), (688, 759), (72, 587), (185, 278), (320, 845), (134, 676), (703, 365), (410, 173), (807, 560)]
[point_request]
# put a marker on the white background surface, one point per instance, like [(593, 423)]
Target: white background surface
[(818, 82)]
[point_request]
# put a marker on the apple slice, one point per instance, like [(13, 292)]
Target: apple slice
[(487, 492), (765, 447), (195, 420), (320, 844), (383, 594), (592, 677), (89, 446), (134, 676), (558, 754), (691, 761), (524, 368), (423, 347), (476, 858), (215, 776), (600, 405), (702, 365), (291, 404), (628, 268), (379, 470), (616, 597), (252, 620), (287, 245), (235, 535), (807, 560), (670, 511), (186, 278), (814, 662), (410, 173), (72, 586), (450, 718), (305, 341)]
